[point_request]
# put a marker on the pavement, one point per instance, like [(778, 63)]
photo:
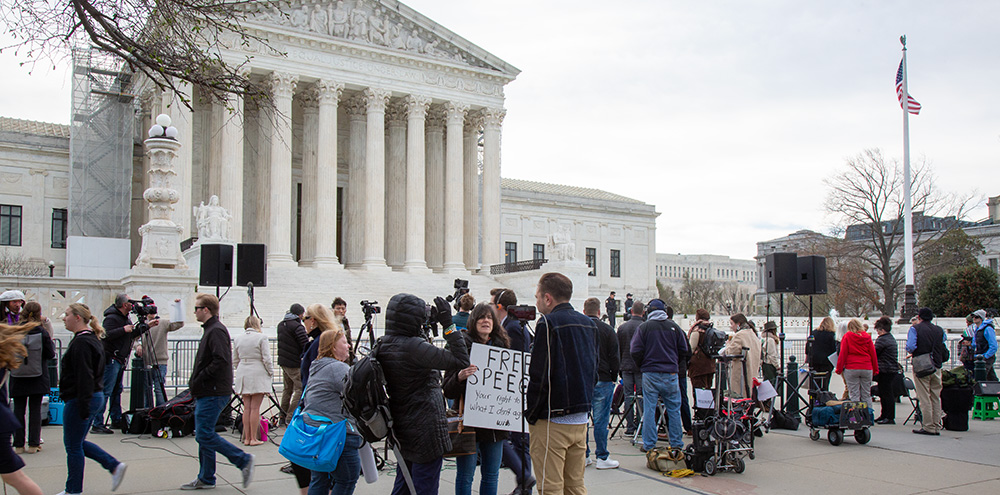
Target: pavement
[(896, 461)]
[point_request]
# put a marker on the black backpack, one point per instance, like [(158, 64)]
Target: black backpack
[(712, 341), (365, 397)]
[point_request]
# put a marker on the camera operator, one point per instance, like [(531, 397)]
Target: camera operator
[(154, 353), (516, 454), (120, 332), (411, 365)]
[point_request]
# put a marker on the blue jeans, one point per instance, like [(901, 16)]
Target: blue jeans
[(654, 387), (426, 477), (206, 415), (517, 457), (632, 385), (601, 405), (159, 377), (490, 452), (111, 371), (75, 431), (344, 477)]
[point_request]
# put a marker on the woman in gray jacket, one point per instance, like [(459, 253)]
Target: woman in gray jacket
[(323, 398)]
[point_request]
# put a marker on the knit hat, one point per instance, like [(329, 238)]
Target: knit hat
[(925, 314), (979, 313), (12, 295), (655, 305)]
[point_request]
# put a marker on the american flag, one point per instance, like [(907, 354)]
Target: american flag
[(911, 105)]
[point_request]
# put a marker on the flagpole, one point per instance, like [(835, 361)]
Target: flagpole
[(909, 292)]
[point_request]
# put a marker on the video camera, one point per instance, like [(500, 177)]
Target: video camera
[(461, 289), (143, 309), (522, 312), (370, 308)]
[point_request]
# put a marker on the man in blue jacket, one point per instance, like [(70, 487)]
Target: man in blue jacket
[(657, 348), (984, 342), (561, 380)]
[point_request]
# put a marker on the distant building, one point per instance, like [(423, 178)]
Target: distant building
[(672, 269), (921, 223)]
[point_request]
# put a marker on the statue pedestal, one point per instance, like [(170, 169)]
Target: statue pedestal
[(164, 286)]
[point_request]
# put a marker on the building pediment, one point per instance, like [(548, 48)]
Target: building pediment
[(385, 24)]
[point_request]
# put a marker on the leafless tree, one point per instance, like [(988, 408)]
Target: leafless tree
[(697, 293), (868, 197), (734, 298), (14, 264), (168, 41)]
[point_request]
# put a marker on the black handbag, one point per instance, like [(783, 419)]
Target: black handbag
[(923, 365), (463, 438)]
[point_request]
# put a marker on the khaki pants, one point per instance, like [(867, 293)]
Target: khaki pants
[(292, 391), (928, 391), (558, 451)]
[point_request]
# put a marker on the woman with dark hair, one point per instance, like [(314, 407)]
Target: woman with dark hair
[(821, 345), (888, 375), (30, 381), (323, 397), (484, 328), (740, 377), (701, 368), (12, 350)]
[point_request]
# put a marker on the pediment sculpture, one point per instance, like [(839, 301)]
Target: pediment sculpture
[(366, 21)]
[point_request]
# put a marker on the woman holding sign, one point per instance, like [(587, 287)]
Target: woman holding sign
[(484, 328)]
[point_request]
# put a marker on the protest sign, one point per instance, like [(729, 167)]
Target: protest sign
[(493, 395)]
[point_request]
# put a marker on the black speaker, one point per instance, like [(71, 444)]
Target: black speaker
[(782, 270), (812, 275), (990, 389), (251, 265), (216, 265)]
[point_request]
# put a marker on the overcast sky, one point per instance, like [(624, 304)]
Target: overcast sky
[(725, 115)]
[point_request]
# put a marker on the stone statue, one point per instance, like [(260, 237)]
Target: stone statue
[(359, 22), (561, 246), (376, 28), (300, 18), (414, 43), (339, 22), (396, 39), (212, 221), (318, 20)]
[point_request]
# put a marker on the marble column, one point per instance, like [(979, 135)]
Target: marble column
[(280, 245), (231, 164), (326, 174), (262, 177), (182, 118), (470, 149), (454, 212), (310, 186), (216, 117), (374, 240), (492, 249), (434, 188), (416, 112), (354, 213), (395, 186)]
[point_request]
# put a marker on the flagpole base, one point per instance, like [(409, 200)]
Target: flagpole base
[(909, 309)]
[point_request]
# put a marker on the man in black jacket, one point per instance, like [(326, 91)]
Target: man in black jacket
[(608, 360), (211, 383), (117, 346), (631, 376), (292, 342), (611, 307), (411, 365)]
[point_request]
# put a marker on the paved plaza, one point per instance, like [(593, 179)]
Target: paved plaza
[(895, 462)]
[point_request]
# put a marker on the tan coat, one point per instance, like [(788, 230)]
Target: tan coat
[(252, 359), (746, 337)]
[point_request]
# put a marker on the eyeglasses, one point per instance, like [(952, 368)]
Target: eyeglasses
[(306, 318), (196, 308)]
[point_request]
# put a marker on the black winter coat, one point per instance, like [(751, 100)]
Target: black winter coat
[(117, 342), (292, 341), (38, 385), (82, 371), (819, 347), (411, 365), (886, 352), (212, 374), (455, 389)]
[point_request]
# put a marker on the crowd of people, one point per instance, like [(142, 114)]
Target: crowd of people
[(577, 359)]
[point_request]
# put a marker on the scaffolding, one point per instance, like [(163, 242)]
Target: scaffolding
[(101, 146)]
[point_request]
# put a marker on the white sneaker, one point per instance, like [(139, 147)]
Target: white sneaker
[(117, 475), (589, 462), (607, 464)]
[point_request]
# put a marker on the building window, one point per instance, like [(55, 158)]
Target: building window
[(60, 222), (10, 225), (592, 261), (616, 263), (538, 251), (510, 252), (993, 264)]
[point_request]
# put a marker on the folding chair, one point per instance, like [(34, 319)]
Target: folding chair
[(915, 402)]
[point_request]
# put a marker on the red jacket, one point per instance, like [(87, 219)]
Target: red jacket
[(857, 352)]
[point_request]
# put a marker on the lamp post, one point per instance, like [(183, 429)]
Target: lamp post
[(52, 267)]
